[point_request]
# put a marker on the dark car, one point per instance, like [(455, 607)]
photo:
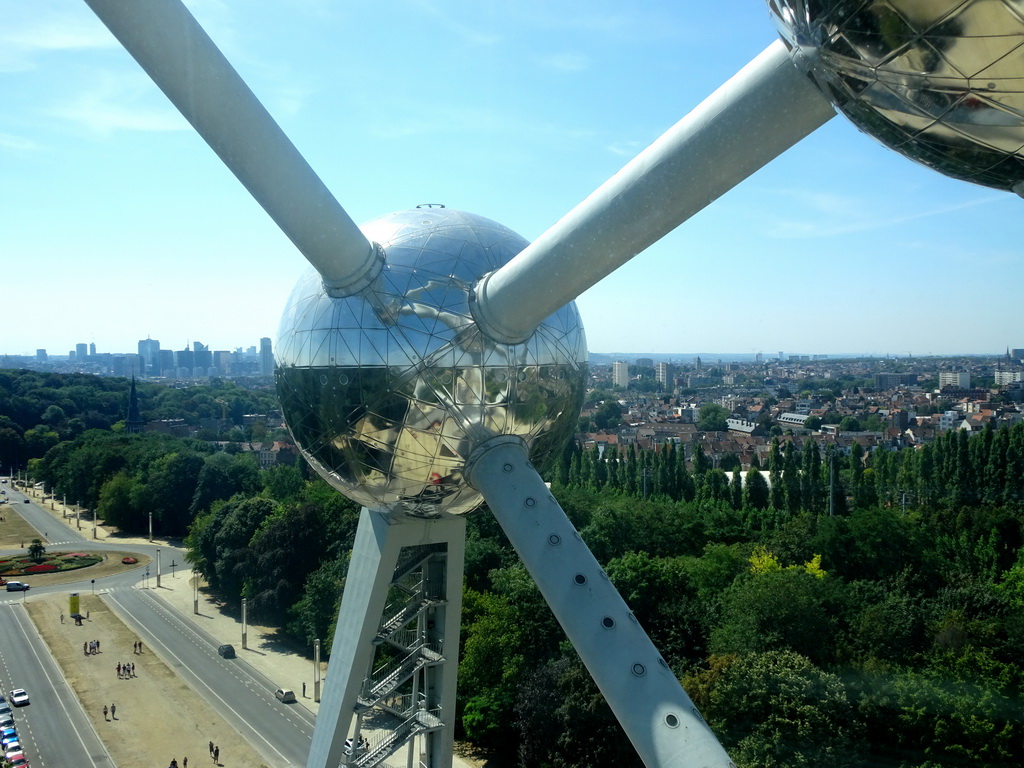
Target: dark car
[(16, 586), (25, 501), (227, 651)]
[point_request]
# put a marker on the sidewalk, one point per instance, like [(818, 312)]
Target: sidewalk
[(271, 657)]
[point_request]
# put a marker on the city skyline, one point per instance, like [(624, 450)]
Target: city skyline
[(117, 220)]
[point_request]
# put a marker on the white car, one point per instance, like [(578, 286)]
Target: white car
[(19, 697), (285, 696)]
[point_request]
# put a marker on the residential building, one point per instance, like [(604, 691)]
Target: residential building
[(620, 374)]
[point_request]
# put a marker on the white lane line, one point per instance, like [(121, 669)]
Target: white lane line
[(31, 645), (199, 679)]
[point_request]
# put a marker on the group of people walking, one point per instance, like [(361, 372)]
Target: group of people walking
[(112, 711), (125, 670), (215, 753), (91, 647)]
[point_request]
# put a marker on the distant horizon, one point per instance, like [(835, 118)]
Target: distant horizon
[(613, 356)]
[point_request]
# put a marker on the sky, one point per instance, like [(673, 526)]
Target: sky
[(118, 223)]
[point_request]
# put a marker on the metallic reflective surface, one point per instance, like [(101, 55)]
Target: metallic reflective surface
[(387, 392), (940, 81)]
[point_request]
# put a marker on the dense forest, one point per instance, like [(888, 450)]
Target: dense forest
[(860, 610)]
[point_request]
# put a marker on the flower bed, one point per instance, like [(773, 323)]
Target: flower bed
[(18, 565), (41, 568)]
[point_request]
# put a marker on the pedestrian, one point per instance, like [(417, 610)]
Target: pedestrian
[(119, 670), (303, 690), (184, 762), (97, 642), (216, 755), (211, 749), (133, 669), (113, 711), (140, 646), (87, 616), (62, 617), (85, 647), (135, 647), (105, 711)]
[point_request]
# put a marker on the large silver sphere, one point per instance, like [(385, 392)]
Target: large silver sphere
[(940, 81), (388, 392)]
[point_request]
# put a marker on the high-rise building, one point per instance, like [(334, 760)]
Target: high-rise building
[(620, 374), (166, 362), (81, 352), (149, 350), (222, 362), (664, 373), (202, 357), (266, 358), (92, 349), (41, 356)]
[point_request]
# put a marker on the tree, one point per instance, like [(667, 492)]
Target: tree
[(755, 491), (778, 709), (850, 424), (36, 551), (608, 415), (712, 418)]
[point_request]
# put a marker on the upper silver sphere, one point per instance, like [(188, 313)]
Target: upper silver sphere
[(388, 392), (940, 81)]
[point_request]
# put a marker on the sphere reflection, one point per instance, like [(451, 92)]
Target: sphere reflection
[(940, 81), (388, 392)]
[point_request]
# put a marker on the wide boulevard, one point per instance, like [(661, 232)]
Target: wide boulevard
[(56, 732)]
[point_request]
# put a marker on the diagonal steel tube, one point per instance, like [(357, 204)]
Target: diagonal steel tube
[(173, 49), (762, 111), (645, 695)]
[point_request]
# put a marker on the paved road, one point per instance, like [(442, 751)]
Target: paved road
[(54, 729), (241, 694)]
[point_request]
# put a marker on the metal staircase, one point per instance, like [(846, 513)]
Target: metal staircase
[(398, 701)]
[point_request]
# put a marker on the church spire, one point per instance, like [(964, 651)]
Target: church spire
[(134, 423)]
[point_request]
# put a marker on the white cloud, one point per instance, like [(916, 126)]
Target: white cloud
[(121, 102), (18, 143), (24, 36)]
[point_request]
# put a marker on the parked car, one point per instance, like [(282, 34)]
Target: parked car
[(19, 696), (285, 696), (4, 706), (227, 651), (16, 586), (7, 720), (8, 735), (12, 749), (25, 501), (18, 760)]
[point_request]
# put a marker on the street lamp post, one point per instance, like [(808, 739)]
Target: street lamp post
[(173, 566), (78, 515), (245, 620), (151, 526), (195, 593), (316, 670), (94, 525), (158, 569)]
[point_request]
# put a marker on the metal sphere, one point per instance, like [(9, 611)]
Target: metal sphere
[(940, 81), (388, 392)]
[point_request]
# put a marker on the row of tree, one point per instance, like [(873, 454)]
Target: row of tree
[(959, 469), (875, 635)]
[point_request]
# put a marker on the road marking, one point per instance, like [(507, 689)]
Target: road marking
[(21, 625), (153, 640)]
